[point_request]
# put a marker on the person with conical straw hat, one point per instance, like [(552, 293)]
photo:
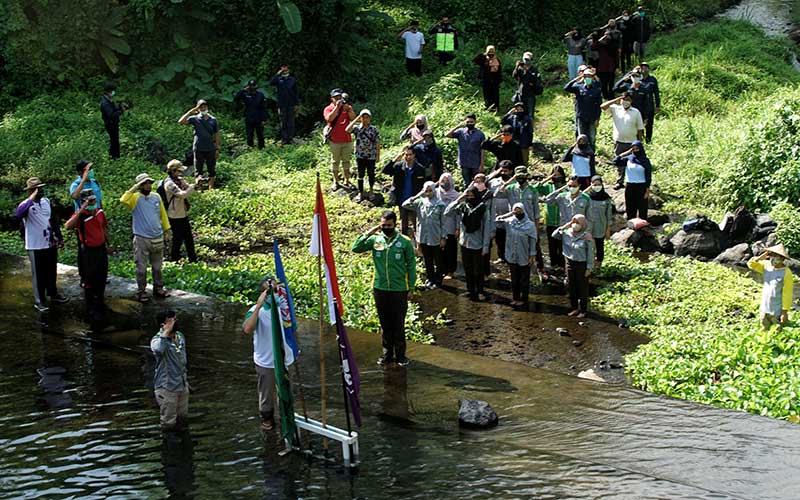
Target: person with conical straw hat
[(776, 299)]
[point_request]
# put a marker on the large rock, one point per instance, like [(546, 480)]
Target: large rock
[(738, 226), (737, 255), (657, 218), (644, 239), (476, 414), (758, 247), (697, 243), (764, 226)]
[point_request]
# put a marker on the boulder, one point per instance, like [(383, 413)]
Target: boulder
[(697, 243), (665, 242), (644, 239), (794, 266), (758, 247), (618, 222), (764, 226), (476, 414), (738, 226), (657, 218), (540, 151), (737, 255), (657, 198)]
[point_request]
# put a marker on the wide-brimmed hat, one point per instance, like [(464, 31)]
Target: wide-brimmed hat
[(174, 165), (779, 250), (142, 178), (33, 183)]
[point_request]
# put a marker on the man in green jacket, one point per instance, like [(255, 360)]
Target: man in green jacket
[(395, 277)]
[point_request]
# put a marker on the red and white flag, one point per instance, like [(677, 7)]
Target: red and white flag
[(321, 245)]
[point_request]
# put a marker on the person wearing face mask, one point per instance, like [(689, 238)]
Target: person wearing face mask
[(42, 241), (582, 157), (628, 126), (520, 251), (576, 46), (600, 215), (111, 113), (640, 26), (446, 36), (530, 83), (556, 180), (395, 277), (205, 145), (639, 172), (650, 83), (368, 149), (578, 248), (481, 183), (640, 94), (518, 189), (588, 97), (415, 43), (85, 180), (776, 297), (474, 236), (150, 234), (522, 126), (90, 222), (500, 206), (625, 26), (288, 99), (430, 236), (471, 156), (607, 56), (446, 192), (170, 379), (429, 156), (413, 133), (255, 112), (504, 147), (408, 177), (177, 192), (490, 73), (570, 200)]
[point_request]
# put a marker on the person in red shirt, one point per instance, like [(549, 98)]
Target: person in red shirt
[(91, 224), (338, 114)]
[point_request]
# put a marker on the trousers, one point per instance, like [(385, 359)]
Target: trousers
[(577, 285), (635, 202), (520, 281), (266, 391), (432, 256), (392, 308), (44, 264), (182, 234), (473, 270), (174, 406), (287, 124), (256, 127), (147, 251)]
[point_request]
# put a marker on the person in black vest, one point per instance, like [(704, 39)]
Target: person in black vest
[(288, 98), (255, 112), (111, 113), (445, 53), (408, 178)]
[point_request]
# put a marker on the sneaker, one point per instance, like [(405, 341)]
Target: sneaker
[(41, 307), (618, 186), (404, 361), (383, 360), (358, 198), (483, 297), (59, 299), (142, 297), (573, 312), (581, 314)]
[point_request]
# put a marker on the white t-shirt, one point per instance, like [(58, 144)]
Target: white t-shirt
[(263, 355), (627, 123), (414, 43), (37, 225)]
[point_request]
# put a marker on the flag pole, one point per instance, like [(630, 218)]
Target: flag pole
[(323, 389), (344, 388)]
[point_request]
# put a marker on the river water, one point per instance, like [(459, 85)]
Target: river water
[(78, 420)]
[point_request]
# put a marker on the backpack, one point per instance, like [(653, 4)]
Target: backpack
[(472, 220), (162, 192)]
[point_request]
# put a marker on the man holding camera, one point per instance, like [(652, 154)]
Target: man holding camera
[(205, 145), (288, 98), (169, 380), (177, 190), (92, 226), (255, 112), (111, 113), (338, 114)]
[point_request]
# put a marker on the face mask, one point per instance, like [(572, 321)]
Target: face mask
[(506, 138), (113, 93), (641, 14), (575, 228), (428, 194), (626, 104), (389, 232), (573, 189), (204, 113), (576, 36), (625, 18), (526, 61), (92, 207), (145, 192), (588, 81), (597, 189), (522, 180), (446, 185), (636, 81), (470, 126), (91, 175), (505, 177), (429, 141), (40, 194), (519, 216), (776, 261), (490, 56), (519, 113), (421, 126)]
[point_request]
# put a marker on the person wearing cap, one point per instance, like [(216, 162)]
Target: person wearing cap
[(415, 43), (205, 145), (429, 156), (255, 112), (446, 37), (600, 215), (471, 156), (490, 73), (576, 46), (522, 126), (552, 219), (569, 199), (776, 297), (650, 83), (504, 147), (338, 115), (42, 241), (529, 83), (625, 26), (170, 379), (640, 28), (588, 98), (85, 180), (408, 177), (178, 190), (150, 232), (90, 222), (520, 251), (288, 98), (430, 235), (578, 248), (641, 97), (368, 149), (111, 113), (628, 126)]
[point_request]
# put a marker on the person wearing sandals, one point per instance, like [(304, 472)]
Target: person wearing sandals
[(578, 246), (150, 232)]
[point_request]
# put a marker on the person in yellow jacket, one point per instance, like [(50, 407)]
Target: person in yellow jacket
[(776, 299), (150, 231)]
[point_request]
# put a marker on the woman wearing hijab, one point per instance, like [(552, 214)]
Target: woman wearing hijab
[(430, 233), (490, 73), (600, 215), (414, 131), (581, 155), (638, 173), (520, 252), (474, 237), (447, 194), (578, 248)]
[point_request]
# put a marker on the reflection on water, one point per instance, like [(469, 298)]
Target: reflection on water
[(77, 420)]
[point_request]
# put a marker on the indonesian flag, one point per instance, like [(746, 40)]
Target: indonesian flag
[(321, 245)]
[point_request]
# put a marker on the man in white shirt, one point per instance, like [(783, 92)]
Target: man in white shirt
[(628, 126), (415, 42)]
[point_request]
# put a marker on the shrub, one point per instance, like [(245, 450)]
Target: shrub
[(788, 231)]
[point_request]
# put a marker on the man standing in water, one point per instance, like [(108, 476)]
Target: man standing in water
[(395, 276), (169, 381)]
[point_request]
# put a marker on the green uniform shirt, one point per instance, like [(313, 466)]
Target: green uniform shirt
[(394, 259), (551, 217)]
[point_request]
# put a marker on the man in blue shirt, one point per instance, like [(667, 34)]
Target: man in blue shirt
[(205, 145), (169, 380), (470, 154), (651, 83), (288, 97), (255, 112), (408, 178), (588, 97), (85, 180)]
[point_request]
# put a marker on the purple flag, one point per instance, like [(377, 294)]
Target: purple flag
[(350, 376)]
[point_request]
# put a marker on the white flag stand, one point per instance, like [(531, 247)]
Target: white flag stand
[(334, 433)]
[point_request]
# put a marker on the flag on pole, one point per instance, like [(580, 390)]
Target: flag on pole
[(286, 304), (285, 398), (321, 245), (350, 375)]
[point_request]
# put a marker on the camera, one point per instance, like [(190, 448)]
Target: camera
[(126, 104), (345, 98)]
